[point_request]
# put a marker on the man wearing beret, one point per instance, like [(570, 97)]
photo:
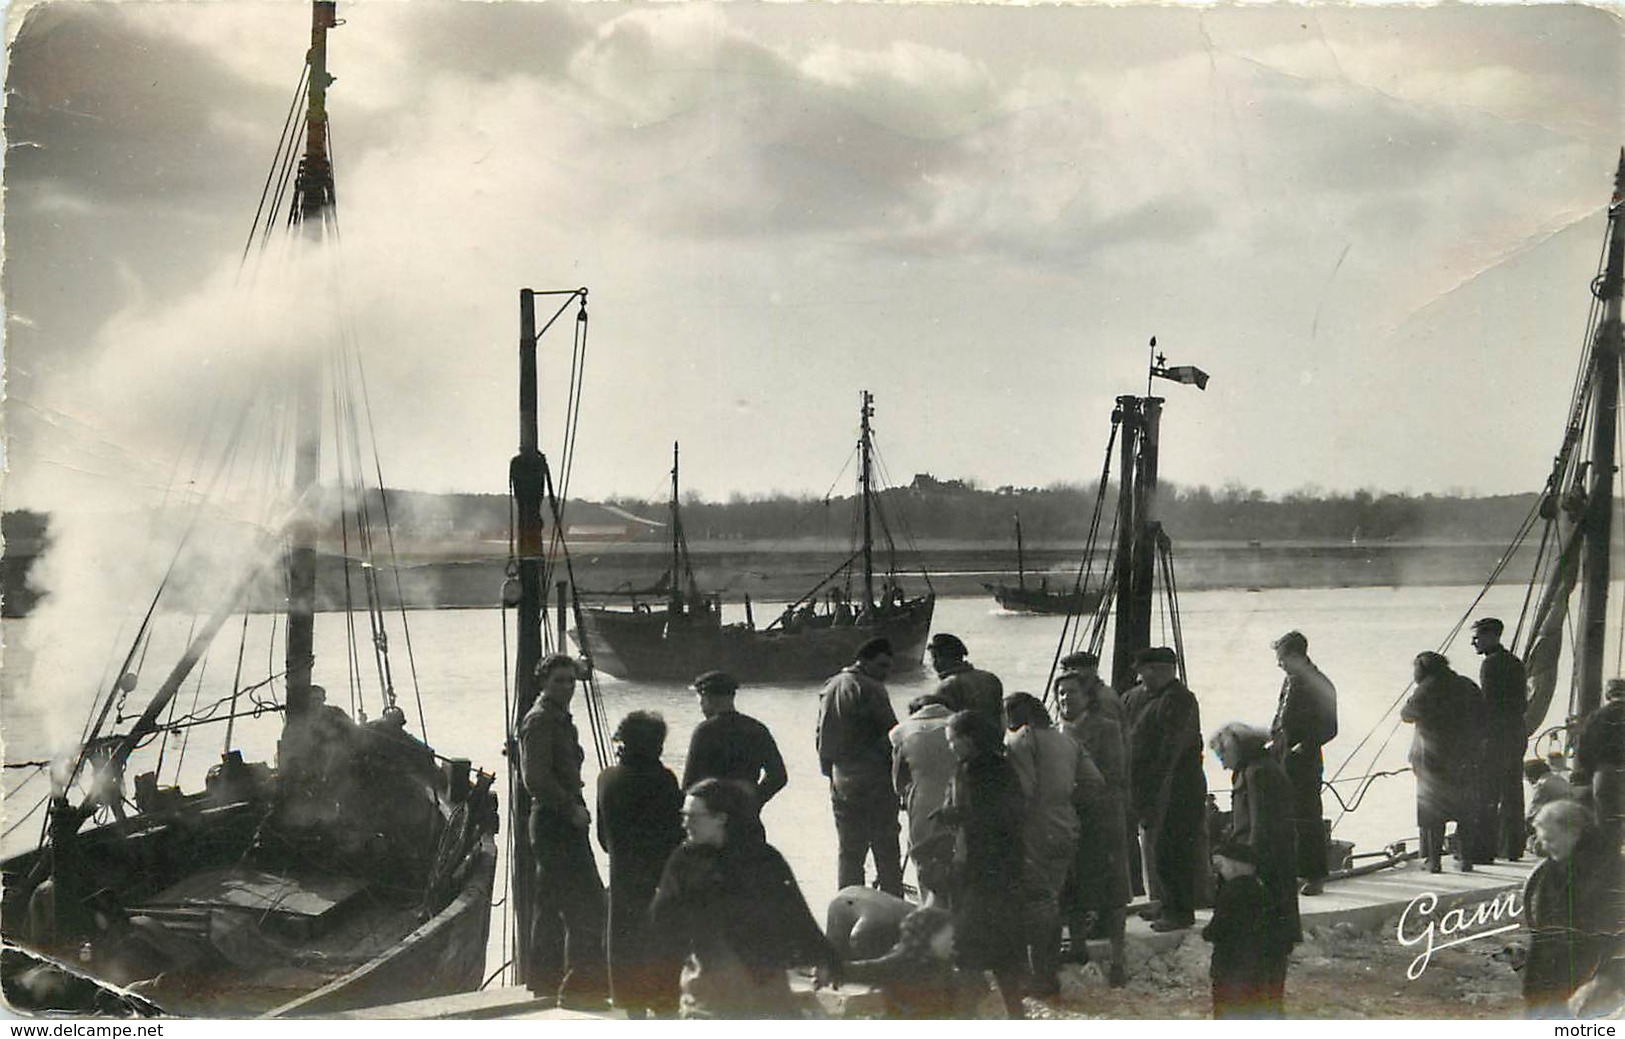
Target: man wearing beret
[(855, 718), (732, 746), (1506, 695), (1167, 788), (961, 686)]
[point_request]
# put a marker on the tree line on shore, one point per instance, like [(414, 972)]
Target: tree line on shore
[(954, 510)]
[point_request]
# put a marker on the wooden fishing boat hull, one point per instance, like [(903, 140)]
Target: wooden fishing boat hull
[(442, 957), (643, 647), (1034, 600), (237, 931)]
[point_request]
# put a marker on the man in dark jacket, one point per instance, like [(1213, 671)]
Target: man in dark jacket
[(1506, 695), (855, 717), (961, 686), (1305, 721), (567, 927), (732, 746), (1599, 758), (1168, 790)]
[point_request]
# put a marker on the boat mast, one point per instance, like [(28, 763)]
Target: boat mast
[(683, 586), (527, 474), (1021, 567), (865, 488), (1140, 535), (1597, 523), (312, 205), (1137, 531)]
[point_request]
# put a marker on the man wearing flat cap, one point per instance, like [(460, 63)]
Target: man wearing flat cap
[(1167, 789), (1084, 669), (1505, 687), (1305, 721), (855, 719), (963, 687), (731, 746)]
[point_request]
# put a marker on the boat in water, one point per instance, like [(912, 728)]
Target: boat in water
[(357, 867), (813, 637), (1022, 598)]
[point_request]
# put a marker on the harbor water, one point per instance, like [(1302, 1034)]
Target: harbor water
[(1362, 638)]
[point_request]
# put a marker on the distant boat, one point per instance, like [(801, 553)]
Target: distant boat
[(815, 636), (1023, 599)]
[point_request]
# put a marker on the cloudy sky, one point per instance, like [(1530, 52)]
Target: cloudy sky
[(1374, 227)]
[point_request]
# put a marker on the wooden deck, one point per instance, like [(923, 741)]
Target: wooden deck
[(1373, 903)]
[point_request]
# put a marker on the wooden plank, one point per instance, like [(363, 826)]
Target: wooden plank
[(242, 888)]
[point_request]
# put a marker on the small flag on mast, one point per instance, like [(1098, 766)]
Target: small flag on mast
[(1188, 374)]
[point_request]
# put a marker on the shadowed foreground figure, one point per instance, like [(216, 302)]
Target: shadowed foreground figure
[(1572, 907), (985, 807), (1251, 939), (731, 910)]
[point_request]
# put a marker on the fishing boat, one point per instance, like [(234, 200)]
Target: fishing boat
[(814, 636), (355, 868), (1019, 598)]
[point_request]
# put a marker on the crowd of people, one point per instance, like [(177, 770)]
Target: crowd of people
[(1029, 833)]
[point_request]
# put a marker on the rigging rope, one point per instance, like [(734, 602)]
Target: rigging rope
[(1072, 625), (284, 140)]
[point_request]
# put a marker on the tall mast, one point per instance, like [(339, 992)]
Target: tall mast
[(312, 205), (527, 475), (683, 586), (1597, 524), (528, 482), (865, 488), (1021, 566), (1133, 568), (1140, 532)]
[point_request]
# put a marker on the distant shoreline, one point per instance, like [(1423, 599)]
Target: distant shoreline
[(439, 577)]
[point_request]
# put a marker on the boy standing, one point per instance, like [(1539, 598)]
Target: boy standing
[(1251, 939)]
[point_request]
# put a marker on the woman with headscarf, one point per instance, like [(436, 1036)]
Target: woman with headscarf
[(639, 825), (730, 909), (1443, 708), (985, 807)]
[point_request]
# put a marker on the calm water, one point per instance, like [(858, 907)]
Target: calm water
[(1362, 638)]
